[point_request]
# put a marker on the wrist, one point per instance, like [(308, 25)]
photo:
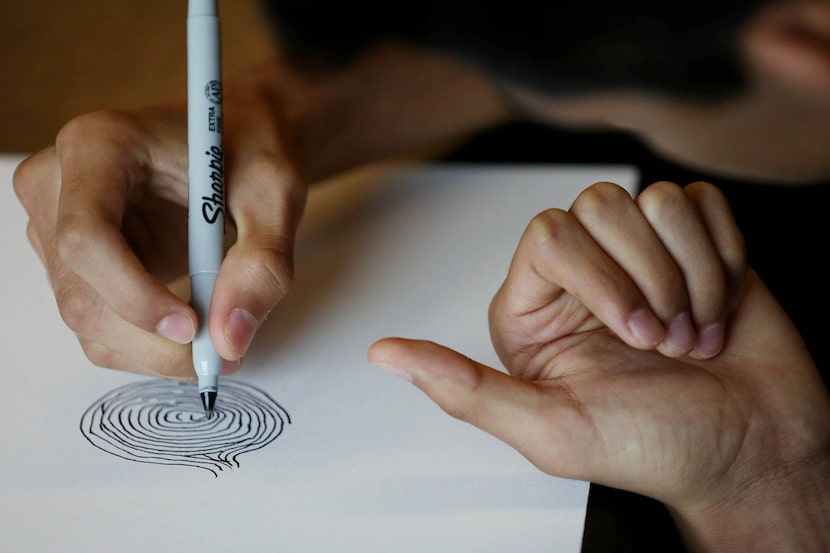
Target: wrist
[(789, 511)]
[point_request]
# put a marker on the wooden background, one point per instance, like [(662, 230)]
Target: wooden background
[(61, 58)]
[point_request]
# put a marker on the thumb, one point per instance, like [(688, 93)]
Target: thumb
[(266, 201), (254, 277), (534, 420)]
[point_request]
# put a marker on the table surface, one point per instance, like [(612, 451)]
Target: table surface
[(347, 253)]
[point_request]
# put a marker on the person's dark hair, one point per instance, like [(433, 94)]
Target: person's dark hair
[(681, 47)]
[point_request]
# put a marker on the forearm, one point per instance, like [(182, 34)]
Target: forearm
[(393, 101), (789, 514)]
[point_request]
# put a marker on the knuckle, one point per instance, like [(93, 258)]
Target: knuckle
[(278, 182), (669, 294), (731, 242), (460, 412), (548, 226), (595, 201), (79, 307), (173, 366), (666, 291), (271, 269), (80, 128), (27, 179), (734, 248), (662, 201), (273, 168), (705, 191), (735, 260), (31, 234), (291, 182), (74, 238), (99, 355)]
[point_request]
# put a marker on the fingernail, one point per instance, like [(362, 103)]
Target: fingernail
[(177, 327), (646, 328), (709, 342), (394, 369), (680, 336), (240, 330)]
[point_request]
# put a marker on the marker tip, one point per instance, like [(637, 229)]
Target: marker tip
[(208, 401)]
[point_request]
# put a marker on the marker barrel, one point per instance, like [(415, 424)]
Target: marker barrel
[(206, 174)]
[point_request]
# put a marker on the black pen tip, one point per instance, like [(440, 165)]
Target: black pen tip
[(208, 400)]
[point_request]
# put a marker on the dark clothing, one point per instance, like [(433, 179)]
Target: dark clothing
[(779, 223)]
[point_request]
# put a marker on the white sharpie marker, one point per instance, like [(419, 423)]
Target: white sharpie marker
[(206, 183)]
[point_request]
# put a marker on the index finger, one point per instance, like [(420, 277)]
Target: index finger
[(561, 282), (98, 180)]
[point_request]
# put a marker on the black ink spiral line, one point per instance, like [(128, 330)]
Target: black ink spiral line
[(163, 422)]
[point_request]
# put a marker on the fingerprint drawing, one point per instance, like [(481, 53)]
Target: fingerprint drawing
[(163, 422)]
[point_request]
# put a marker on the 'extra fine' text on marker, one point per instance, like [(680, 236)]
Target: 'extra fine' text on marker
[(213, 206)]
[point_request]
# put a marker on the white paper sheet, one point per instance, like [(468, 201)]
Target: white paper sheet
[(363, 461)]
